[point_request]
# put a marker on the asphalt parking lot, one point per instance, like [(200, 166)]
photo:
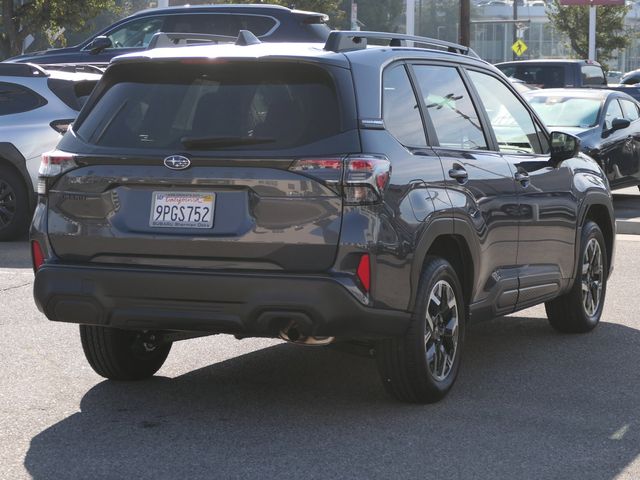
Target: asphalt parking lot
[(529, 403)]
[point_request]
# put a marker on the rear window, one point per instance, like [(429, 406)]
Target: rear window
[(73, 94), (210, 107), (220, 24), (17, 99)]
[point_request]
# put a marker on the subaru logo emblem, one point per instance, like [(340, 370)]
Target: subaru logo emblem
[(177, 162)]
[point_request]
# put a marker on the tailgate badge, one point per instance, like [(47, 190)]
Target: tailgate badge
[(177, 162)]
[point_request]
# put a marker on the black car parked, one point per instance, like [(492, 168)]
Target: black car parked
[(270, 23), (607, 123), (386, 195)]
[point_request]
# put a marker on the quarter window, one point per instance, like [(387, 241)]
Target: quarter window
[(400, 108), (630, 110), (17, 99), (512, 124), (449, 108), (613, 111)]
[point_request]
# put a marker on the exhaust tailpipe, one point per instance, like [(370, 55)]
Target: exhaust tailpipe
[(292, 334)]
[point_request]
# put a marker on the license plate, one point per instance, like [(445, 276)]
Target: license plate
[(182, 209)]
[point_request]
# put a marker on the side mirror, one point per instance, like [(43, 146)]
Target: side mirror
[(99, 44), (563, 146), (619, 124)]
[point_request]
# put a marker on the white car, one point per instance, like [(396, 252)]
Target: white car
[(36, 107)]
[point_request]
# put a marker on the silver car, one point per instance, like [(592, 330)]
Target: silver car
[(36, 107)]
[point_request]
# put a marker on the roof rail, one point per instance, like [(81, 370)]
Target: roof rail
[(342, 41), (74, 67), (22, 70), (178, 39)]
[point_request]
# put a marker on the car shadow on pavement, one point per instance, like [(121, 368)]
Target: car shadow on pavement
[(15, 255), (529, 403)]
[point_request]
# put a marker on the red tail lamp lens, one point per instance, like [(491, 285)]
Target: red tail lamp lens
[(364, 272), (37, 256)]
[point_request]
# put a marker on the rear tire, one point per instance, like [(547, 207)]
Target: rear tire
[(421, 366), (121, 354), (14, 205), (579, 310)]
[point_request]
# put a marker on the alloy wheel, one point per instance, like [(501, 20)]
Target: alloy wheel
[(441, 337), (7, 204), (592, 276)]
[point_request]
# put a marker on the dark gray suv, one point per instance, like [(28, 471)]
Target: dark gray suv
[(385, 196)]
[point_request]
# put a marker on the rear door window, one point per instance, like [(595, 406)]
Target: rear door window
[(544, 76), (220, 24), (449, 107), (400, 108), (72, 93), (17, 99), (236, 105)]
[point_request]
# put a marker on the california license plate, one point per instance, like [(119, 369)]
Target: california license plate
[(182, 209)]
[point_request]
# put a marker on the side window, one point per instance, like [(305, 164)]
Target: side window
[(220, 24), (592, 75), (449, 107), (613, 111), (136, 33), (630, 110), (400, 108), (512, 124), (17, 99)]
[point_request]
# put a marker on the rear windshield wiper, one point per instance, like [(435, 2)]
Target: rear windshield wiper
[(205, 142)]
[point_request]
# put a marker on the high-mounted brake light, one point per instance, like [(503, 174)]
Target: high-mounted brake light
[(53, 164)]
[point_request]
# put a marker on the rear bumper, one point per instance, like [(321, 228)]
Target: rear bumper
[(251, 304)]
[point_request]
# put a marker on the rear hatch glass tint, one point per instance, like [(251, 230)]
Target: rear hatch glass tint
[(230, 105)]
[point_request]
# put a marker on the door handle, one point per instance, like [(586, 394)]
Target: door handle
[(522, 177), (460, 174)]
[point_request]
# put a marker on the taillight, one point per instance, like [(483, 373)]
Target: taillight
[(37, 256), (361, 179), (364, 272), (365, 178), (53, 164)]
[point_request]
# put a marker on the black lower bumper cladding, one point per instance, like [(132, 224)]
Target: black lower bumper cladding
[(249, 304)]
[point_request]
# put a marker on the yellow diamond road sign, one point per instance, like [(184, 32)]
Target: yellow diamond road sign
[(519, 47)]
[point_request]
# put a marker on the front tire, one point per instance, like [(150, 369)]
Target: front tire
[(579, 310), (121, 354), (421, 366)]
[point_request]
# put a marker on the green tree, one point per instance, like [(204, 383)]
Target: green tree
[(20, 19), (573, 21)]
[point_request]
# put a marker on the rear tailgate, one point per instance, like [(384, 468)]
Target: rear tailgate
[(190, 167)]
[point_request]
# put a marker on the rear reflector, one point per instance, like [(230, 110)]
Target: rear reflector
[(364, 272), (37, 256)]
